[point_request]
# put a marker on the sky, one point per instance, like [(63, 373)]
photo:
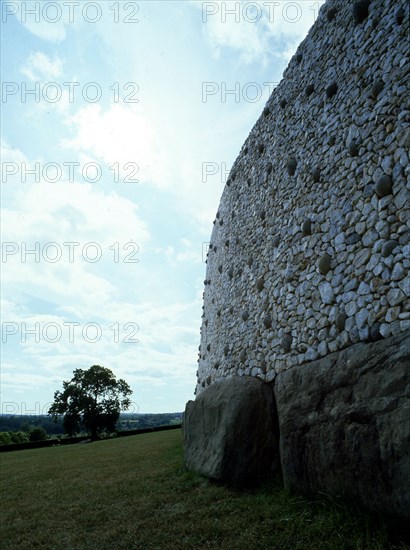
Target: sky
[(119, 124)]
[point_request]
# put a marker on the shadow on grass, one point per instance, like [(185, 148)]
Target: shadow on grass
[(333, 514)]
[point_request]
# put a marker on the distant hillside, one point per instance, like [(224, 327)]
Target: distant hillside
[(134, 421)]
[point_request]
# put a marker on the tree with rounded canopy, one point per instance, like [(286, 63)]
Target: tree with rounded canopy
[(38, 433), (93, 398)]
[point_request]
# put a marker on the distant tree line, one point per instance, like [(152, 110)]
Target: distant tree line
[(22, 428), (25, 423), (22, 436)]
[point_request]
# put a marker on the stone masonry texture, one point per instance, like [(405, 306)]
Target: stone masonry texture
[(310, 249)]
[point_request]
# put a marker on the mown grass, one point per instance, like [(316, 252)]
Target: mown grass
[(135, 493)]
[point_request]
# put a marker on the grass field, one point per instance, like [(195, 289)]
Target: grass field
[(134, 492)]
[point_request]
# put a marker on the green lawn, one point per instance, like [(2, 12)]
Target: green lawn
[(134, 492)]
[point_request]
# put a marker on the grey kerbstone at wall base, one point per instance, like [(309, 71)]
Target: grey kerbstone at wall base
[(230, 431), (345, 425)]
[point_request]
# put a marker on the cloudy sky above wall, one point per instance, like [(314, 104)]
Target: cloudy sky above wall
[(120, 122)]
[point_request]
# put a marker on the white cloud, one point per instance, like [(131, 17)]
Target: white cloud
[(121, 134), (237, 33), (188, 255), (40, 67), (9, 153), (73, 213), (46, 73), (257, 30), (78, 210)]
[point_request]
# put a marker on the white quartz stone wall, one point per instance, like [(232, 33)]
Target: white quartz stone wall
[(311, 243)]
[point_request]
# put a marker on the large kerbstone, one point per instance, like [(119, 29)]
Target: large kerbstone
[(345, 425), (230, 431)]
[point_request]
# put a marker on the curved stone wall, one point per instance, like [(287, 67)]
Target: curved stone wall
[(310, 248)]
